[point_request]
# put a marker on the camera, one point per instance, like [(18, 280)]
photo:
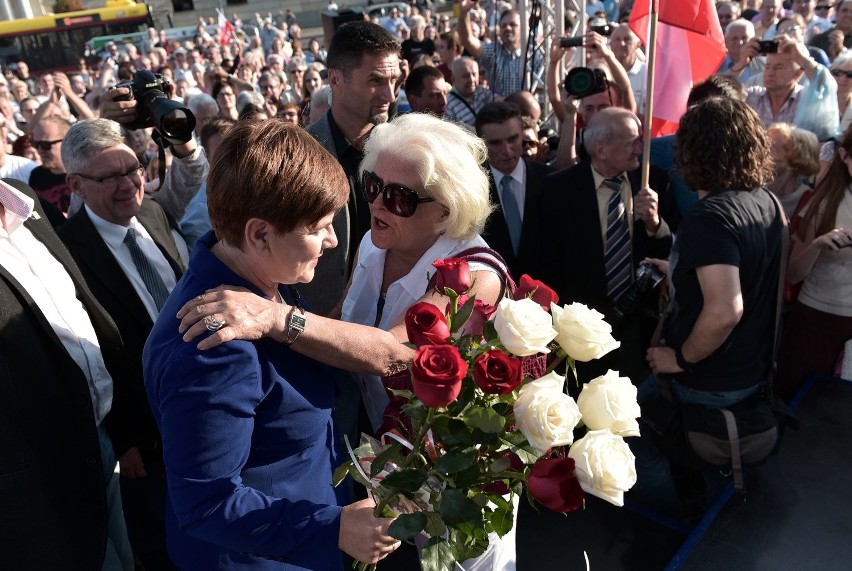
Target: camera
[(577, 41), (552, 138), (583, 81), (170, 119), (767, 47), (648, 277)]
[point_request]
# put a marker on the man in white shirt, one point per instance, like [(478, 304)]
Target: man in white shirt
[(625, 45), (62, 380)]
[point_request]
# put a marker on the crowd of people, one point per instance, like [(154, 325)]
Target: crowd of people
[(213, 317)]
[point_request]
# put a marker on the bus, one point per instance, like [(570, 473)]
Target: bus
[(58, 41)]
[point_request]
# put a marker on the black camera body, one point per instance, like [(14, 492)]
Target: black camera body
[(648, 278), (577, 41), (169, 118), (583, 81), (768, 47)]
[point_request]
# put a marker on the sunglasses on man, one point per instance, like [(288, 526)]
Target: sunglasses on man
[(45, 145), (840, 72), (399, 199)]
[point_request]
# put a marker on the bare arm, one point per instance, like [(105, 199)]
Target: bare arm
[(806, 251), (466, 37), (619, 75), (64, 86), (722, 310), (552, 79)]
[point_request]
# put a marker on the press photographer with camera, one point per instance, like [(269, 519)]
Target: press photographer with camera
[(782, 98)]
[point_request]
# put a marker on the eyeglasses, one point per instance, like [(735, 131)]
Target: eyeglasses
[(226, 93), (399, 200), (823, 7), (45, 145), (134, 174), (840, 72)]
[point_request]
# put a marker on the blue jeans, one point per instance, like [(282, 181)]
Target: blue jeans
[(655, 485)]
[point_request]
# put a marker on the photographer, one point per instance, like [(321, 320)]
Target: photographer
[(724, 271), (781, 98)]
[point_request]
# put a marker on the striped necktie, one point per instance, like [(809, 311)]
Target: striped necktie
[(150, 277), (617, 260)]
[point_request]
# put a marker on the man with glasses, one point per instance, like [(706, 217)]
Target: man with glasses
[(834, 41), (48, 179), (515, 185), (814, 23), (131, 260), (296, 69)]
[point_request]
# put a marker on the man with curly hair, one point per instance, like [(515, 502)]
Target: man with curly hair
[(723, 270)]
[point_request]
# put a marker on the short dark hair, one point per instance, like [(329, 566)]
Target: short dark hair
[(216, 126), (496, 112), (719, 85), (274, 171), (417, 79), (722, 145), (354, 39)]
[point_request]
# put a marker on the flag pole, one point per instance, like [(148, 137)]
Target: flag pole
[(649, 94)]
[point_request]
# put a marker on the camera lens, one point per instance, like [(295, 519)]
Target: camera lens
[(175, 123)]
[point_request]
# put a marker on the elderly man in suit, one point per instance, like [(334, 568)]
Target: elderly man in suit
[(363, 68), (515, 186), (597, 226), (131, 260), (63, 375)]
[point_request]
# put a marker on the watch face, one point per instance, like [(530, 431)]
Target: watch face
[(298, 322)]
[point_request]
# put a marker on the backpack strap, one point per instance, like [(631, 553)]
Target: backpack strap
[(782, 274), (489, 257), (736, 456)]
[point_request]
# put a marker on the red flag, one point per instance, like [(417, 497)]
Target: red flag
[(226, 30), (690, 47)]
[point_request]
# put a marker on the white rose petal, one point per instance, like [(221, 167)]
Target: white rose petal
[(604, 465), (582, 332), (524, 327), (609, 402), (544, 414)]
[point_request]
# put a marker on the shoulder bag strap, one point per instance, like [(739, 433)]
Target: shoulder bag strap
[(489, 257), (785, 252), (463, 100)]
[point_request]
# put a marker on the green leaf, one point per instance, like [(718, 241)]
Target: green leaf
[(467, 477), (485, 419), (490, 333), (457, 508), (341, 472), (463, 314), (501, 520), (435, 525), (453, 462), (437, 555), (500, 465), (405, 480), (389, 453), (407, 526)]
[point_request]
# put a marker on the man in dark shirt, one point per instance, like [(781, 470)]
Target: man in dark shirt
[(48, 179)]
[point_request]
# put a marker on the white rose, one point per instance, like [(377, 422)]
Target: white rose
[(604, 465), (610, 402), (524, 327), (544, 414), (582, 332)]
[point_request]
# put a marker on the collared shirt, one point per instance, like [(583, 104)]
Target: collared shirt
[(113, 236), (519, 174), (758, 98), (637, 76), (604, 193), (504, 68), (47, 281), (464, 110)]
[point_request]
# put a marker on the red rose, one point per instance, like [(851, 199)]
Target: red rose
[(497, 373), (426, 325), (436, 374), (453, 273), (476, 322), (553, 484), (541, 294)]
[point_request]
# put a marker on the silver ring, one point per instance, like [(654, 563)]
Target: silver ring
[(212, 324)]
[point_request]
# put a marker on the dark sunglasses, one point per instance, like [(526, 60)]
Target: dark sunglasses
[(839, 72), (45, 145), (399, 200), (823, 7)]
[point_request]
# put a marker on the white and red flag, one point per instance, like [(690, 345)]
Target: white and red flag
[(690, 46), (226, 30)]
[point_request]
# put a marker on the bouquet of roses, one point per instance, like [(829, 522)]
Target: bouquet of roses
[(486, 417)]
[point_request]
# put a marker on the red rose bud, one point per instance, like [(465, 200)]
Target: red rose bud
[(476, 322), (453, 273), (495, 372), (460, 301), (426, 325), (541, 294), (437, 373), (553, 484)]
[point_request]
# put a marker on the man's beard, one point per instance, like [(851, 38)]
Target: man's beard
[(378, 119)]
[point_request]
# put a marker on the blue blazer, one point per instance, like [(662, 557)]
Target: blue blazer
[(248, 443)]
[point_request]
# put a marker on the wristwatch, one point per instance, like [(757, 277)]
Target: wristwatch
[(295, 321), (681, 362)]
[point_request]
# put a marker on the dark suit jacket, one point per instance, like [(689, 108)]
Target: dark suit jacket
[(570, 258), (114, 291), (51, 476), (497, 231)]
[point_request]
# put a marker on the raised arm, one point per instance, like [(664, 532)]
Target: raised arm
[(470, 43)]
